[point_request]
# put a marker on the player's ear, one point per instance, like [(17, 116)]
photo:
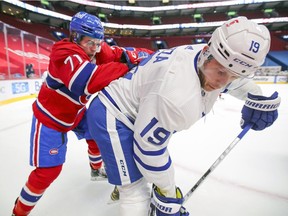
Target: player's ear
[(205, 48)]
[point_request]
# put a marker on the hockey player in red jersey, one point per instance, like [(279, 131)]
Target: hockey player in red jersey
[(60, 107)]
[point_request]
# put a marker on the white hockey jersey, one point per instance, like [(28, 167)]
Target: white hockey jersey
[(161, 96)]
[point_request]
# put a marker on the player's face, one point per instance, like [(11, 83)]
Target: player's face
[(215, 76), (90, 45)]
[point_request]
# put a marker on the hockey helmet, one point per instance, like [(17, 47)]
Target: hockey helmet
[(84, 24), (240, 45)]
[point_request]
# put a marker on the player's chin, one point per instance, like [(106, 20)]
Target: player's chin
[(208, 87), (91, 54)]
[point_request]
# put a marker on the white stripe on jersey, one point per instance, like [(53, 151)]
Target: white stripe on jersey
[(66, 124), (117, 149), (36, 145)]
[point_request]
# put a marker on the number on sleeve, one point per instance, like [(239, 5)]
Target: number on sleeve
[(70, 61), (159, 134)]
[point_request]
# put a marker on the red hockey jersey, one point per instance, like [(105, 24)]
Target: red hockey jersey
[(71, 80)]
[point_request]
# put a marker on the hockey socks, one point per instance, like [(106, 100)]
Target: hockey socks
[(95, 158), (38, 181)]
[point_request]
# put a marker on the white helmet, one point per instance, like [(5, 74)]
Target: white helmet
[(240, 45)]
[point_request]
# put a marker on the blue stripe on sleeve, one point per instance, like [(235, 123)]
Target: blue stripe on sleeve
[(79, 84), (70, 94), (150, 153), (153, 168), (53, 83), (110, 98)]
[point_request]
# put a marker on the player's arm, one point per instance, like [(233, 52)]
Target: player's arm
[(103, 75), (108, 54), (82, 77), (152, 132), (156, 121), (239, 88), (129, 55)]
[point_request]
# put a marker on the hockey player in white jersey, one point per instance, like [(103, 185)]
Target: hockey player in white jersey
[(133, 119)]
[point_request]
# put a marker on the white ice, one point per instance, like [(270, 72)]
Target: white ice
[(252, 180)]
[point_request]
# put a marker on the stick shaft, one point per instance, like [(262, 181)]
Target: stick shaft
[(217, 162)]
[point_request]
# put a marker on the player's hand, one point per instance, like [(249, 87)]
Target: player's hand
[(133, 58), (167, 206), (260, 111), (136, 57)]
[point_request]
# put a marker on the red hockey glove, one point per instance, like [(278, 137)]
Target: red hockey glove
[(133, 58), (136, 57)]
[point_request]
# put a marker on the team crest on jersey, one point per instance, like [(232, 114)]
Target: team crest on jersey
[(53, 151)]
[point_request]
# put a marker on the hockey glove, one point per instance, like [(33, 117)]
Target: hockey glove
[(133, 58), (167, 206), (260, 111)]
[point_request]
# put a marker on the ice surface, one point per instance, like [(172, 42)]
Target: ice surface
[(252, 180)]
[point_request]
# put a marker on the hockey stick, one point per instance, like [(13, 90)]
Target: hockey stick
[(212, 167), (217, 162)]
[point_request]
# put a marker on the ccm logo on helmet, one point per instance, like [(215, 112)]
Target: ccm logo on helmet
[(242, 62)]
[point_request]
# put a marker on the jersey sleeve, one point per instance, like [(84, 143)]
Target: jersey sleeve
[(71, 67), (108, 54), (105, 74), (170, 101), (156, 121), (240, 87), (114, 53)]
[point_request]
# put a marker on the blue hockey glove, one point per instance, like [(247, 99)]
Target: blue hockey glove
[(167, 206), (260, 111)]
